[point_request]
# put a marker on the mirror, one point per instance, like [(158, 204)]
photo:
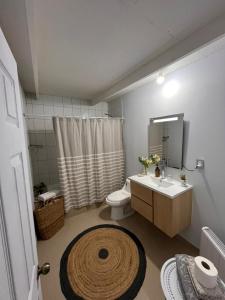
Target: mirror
[(166, 139)]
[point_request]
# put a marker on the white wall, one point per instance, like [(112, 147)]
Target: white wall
[(40, 131), (201, 97)]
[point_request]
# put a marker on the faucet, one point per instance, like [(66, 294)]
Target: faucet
[(163, 168)]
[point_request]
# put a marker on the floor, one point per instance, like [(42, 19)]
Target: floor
[(158, 248)]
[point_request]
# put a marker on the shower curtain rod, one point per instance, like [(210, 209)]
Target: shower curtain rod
[(26, 116)]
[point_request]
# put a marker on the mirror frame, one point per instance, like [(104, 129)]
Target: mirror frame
[(180, 117)]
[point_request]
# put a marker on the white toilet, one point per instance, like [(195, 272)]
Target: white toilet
[(120, 202)]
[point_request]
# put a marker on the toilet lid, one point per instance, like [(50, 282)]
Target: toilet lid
[(118, 196)]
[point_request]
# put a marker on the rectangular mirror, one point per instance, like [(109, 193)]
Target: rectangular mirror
[(166, 139)]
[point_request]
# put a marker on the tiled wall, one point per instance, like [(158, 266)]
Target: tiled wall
[(40, 131)]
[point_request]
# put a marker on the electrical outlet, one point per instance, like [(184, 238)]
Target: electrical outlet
[(199, 164)]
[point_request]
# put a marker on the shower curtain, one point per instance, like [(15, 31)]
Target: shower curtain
[(91, 159)]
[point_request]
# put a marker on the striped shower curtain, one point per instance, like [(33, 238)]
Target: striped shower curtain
[(91, 159)]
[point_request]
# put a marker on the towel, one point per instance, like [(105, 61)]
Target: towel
[(217, 293), (192, 289), (184, 277), (49, 195)]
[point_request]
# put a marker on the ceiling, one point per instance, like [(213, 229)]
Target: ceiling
[(81, 48)]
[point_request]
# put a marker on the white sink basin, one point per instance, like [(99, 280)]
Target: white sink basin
[(160, 182), (156, 182), (170, 189)]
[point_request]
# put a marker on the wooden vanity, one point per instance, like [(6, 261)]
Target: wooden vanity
[(171, 214)]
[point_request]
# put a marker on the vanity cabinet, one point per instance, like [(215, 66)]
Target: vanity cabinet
[(170, 215)]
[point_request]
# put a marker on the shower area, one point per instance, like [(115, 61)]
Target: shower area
[(82, 140)]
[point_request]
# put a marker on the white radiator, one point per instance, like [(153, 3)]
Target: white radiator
[(213, 248)]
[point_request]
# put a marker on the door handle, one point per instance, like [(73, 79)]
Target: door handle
[(43, 270)]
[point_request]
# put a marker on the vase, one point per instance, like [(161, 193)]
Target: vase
[(184, 182), (157, 171), (145, 171)]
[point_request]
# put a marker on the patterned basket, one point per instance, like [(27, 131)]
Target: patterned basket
[(49, 218)]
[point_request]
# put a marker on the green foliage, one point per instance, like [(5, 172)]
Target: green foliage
[(152, 159)]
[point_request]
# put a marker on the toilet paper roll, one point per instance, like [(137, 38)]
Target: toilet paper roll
[(205, 272)]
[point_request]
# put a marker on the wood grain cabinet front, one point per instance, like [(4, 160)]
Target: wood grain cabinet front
[(141, 192), (142, 208), (170, 215)]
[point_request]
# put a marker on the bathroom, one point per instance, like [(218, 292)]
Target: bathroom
[(88, 142)]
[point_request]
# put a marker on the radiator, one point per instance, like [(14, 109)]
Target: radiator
[(213, 248)]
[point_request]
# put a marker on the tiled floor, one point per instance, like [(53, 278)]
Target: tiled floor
[(158, 248)]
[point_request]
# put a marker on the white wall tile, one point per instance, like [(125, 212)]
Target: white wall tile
[(50, 139), (51, 152), (57, 101), (29, 108), (28, 100), (39, 124), (98, 106), (66, 101), (91, 113), (38, 109), (48, 100), (39, 130), (48, 125), (76, 111), (36, 179), (42, 167), (40, 139), (42, 154), (68, 111), (32, 138), (30, 124), (102, 113), (105, 106), (41, 99), (35, 167), (58, 111), (44, 177), (48, 110), (76, 101), (84, 113)]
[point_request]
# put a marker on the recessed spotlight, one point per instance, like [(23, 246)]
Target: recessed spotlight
[(160, 79)]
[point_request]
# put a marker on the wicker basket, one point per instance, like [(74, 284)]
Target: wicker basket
[(49, 218)]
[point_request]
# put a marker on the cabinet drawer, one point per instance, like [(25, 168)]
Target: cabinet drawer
[(143, 208), (141, 192)]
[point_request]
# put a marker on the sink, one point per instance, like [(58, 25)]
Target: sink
[(169, 188), (158, 182)]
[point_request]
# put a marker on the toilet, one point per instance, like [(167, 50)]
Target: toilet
[(120, 202)]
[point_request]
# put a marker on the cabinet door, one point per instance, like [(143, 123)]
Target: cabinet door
[(172, 215)]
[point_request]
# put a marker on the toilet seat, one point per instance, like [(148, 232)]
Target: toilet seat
[(118, 198)]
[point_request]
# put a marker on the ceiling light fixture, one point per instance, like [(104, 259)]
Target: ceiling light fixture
[(165, 120), (160, 79)]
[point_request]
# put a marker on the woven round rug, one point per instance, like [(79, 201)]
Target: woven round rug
[(103, 262)]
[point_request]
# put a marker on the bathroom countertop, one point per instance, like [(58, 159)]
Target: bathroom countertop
[(170, 188)]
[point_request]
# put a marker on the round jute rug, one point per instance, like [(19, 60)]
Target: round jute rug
[(104, 262)]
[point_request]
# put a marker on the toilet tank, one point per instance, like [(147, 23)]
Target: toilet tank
[(126, 186)]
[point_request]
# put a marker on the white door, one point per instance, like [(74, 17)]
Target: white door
[(18, 253)]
